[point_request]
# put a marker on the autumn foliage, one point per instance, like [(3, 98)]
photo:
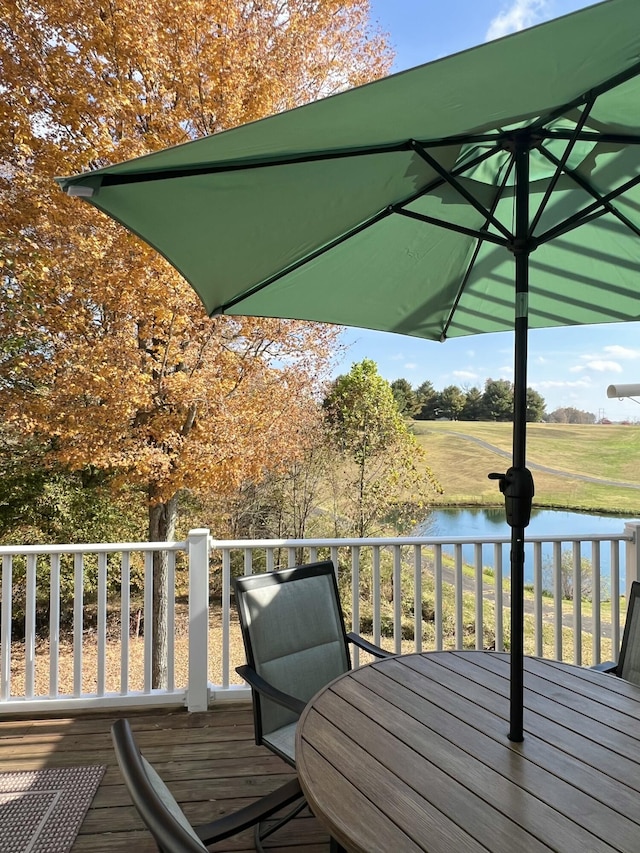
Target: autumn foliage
[(107, 355)]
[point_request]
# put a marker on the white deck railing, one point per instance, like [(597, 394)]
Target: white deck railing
[(99, 654)]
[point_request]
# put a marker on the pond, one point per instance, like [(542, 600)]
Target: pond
[(490, 521)]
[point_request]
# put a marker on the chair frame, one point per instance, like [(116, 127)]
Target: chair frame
[(168, 832), (611, 667)]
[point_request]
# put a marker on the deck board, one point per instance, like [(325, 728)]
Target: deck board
[(209, 760)]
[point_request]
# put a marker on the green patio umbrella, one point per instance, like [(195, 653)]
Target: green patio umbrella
[(495, 189)]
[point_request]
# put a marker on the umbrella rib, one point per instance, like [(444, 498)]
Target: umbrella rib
[(167, 174), (591, 136), (474, 256), (451, 180), (560, 165), (110, 180), (585, 185), (587, 213), (478, 233), (302, 261)]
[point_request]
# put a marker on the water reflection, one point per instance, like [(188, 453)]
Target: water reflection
[(490, 521)]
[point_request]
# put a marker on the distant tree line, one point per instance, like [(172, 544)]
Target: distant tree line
[(493, 403), (569, 415)]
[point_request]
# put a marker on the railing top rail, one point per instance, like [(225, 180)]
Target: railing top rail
[(91, 548), (222, 544)]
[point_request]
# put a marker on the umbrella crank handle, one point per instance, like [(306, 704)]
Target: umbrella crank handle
[(517, 487)]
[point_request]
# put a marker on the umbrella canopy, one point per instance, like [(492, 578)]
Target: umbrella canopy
[(496, 189), (321, 212)]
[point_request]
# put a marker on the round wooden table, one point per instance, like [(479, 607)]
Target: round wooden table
[(411, 753)]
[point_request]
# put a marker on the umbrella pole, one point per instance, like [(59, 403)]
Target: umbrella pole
[(521, 487), (517, 483)]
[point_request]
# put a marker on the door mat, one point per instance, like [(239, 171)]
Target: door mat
[(41, 811)]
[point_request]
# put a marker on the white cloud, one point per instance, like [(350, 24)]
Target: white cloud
[(546, 384), (465, 374), (599, 365), (519, 15), (621, 352), (397, 357), (410, 366)]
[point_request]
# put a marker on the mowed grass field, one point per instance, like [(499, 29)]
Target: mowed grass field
[(608, 452)]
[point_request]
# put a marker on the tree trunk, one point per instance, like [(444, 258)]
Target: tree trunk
[(162, 525)]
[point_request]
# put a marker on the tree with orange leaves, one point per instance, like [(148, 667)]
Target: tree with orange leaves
[(111, 358)]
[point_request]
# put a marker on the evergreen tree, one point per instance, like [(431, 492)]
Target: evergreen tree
[(405, 397), (427, 399)]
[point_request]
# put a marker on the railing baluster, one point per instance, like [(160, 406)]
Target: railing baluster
[(377, 631), (557, 598), (226, 615), (537, 597), (54, 625), (397, 598), (125, 620), (5, 628), (499, 611), (102, 624), (30, 627), (596, 604), (78, 621), (355, 599), (477, 563), (171, 620), (615, 599), (458, 595), (417, 598), (577, 603), (437, 603), (148, 621), (335, 557)]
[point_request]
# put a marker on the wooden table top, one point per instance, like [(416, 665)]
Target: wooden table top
[(411, 753)]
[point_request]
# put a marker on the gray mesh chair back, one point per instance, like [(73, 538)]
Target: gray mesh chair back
[(294, 638), (628, 666)]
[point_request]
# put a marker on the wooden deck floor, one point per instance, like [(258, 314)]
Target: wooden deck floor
[(209, 760)]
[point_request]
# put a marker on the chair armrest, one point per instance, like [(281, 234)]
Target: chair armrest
[(366, 646), (606, 666), (248, 816), (263, 687)]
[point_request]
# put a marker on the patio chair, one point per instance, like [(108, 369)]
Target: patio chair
[(628, 665), (295, 643), (163, 816)]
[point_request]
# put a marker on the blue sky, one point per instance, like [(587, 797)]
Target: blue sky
[(568, 366)]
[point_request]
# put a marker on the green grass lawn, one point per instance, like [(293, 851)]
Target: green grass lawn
[(605, 451)]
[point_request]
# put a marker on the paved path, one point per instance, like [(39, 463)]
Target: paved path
[(548, 610)]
